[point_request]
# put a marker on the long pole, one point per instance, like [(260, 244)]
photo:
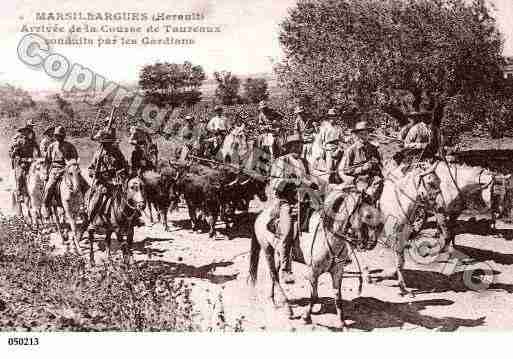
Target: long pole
[(109, 127)]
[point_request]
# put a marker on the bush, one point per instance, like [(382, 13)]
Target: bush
[(39, 291)]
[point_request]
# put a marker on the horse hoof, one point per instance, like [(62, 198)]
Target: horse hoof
[(407, 293)]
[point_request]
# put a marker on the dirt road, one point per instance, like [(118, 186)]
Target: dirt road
[(214, 267), (441, 302)]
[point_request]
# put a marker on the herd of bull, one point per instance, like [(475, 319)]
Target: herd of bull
[(210, 192)]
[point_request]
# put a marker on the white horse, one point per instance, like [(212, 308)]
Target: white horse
[(235, 146), (71, 189), (324, 249), (35, 188), (402, 197)]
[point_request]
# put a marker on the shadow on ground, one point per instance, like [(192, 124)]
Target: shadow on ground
[(370, 313), (182, 270)]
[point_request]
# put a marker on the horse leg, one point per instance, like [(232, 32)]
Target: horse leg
[(91, 250), (313, 282), (274, 269), (70, 217), (127, 249), (192, 216), (337, 273), (108, 241), (150, 209), (211, 220), (399, 265)]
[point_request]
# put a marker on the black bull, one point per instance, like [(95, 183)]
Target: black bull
[(159, 187), (215, 191)]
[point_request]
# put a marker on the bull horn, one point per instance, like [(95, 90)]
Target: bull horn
[(233, 183), (245, 182)]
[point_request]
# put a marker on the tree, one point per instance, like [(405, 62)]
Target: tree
[(228, 86), (14, 100), (255, 90), (171, 85), (369, 53)]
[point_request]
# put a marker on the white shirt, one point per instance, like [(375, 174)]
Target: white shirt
[(217, 123)]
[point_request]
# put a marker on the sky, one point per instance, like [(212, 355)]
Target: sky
[(247, 44)]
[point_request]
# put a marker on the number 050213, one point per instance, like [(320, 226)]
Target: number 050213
[(23, 341)]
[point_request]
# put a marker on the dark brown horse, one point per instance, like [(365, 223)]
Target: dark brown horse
[(119, 216)]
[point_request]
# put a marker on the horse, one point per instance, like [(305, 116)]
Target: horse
[(35, 188), (120, 211), (70, 190), (18, 204), (323, 249), (403, 196), (235, 147), (270, 143)]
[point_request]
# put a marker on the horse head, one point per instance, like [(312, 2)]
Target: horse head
[(38, 168), (134, 190), (72, 174)]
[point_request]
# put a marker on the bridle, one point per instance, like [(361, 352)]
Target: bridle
[(121, 195), (423, 197)]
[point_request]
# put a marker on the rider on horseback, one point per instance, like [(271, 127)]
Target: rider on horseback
[(218, 128), (416, 138), (288, 173), (107, 167), (330, 136), (189, 136), (361, 164), (47, 140), (139, 159), (31, 136), (56, 156), (22, 152)]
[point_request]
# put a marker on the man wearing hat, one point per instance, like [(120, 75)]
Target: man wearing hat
[(288, 173), (46, 140), (30, 134), (416, 137), (218, 123), (417, 134), (21, 152), (299, 123), (361, 163), (330, 137), (107, 165), (57, 153), (189, 135)]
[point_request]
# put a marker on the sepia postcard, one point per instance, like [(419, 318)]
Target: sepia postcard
[(231, 166)]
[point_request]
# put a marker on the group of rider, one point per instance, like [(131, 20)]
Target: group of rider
[(360, 164)]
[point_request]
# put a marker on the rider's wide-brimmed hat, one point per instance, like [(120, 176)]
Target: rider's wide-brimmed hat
[(292, 139), (362, 126), (298, 110), (419, 114), (218, 108), (105, 136), (59, 131), (332, 112)]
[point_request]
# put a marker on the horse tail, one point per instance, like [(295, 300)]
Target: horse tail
[(254, 258)]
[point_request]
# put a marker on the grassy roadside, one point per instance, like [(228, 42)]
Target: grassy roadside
[(40, 291)]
